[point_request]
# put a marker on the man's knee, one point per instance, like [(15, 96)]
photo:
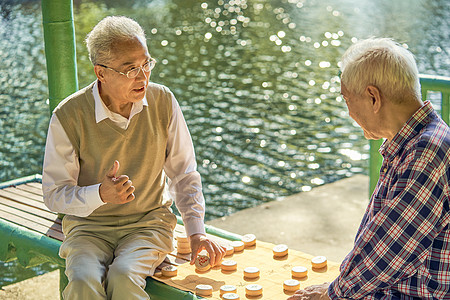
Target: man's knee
[(85, 284), (84, 274), (121, 272)]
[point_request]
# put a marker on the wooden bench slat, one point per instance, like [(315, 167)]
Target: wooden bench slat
[(22, 199), (25, 194), (27, 217), (37, 185), (51, 231), (51, 216), (56, 234), (30, 189)]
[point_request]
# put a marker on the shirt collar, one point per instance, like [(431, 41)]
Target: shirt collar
[(102, 112), (410, 129)]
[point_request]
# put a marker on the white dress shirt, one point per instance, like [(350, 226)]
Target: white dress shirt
[(61, 168)]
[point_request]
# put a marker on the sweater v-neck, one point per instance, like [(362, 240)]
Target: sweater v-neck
[(111, 123), (130, 127)]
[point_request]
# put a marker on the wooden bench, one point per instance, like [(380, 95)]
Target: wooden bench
[(32, 234)]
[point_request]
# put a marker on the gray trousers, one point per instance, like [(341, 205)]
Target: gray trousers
[(110, 258)]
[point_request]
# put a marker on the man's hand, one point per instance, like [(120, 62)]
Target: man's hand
[(314, 292), (200, 242), (116, 190)]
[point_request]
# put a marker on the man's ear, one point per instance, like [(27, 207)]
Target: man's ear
[(100, 72), (374, 93)]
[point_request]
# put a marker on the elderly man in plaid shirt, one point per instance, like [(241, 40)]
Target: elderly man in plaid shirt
[(402, 248)]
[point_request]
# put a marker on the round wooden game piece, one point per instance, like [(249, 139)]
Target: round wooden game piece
[(230, 296), (202, 263), (280, 250), (299, 272), (229, 265), (319, 262), (237, 245), (253, 290), (169, 271), (182, 239), (184, 245), (251, 272), (229, 250), (183, 249), (204, 290), (228, 288), (249, 240), (291, 285)]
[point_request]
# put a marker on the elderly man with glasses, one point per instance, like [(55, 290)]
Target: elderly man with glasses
[(109, 149)]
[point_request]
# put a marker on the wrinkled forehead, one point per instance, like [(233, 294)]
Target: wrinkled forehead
[(130, 50), (121, 45)]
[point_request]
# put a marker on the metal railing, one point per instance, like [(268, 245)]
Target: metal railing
[(432, 86)]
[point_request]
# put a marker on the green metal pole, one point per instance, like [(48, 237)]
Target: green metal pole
[(428, 83), (60, 50), (438, 84), (60, 54), (445, 109), (375, 161)]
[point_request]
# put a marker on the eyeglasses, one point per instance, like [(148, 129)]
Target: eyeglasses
[(147, 67)]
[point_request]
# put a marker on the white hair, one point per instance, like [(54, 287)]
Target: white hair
[(100, 41), (383, 63)]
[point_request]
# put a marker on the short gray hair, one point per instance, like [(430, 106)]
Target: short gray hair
[(106, 33), (384, 63)]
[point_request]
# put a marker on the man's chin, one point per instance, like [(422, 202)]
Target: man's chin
[(371, 136)]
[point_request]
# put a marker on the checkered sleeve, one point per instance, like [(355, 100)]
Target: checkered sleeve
[(397, 237)]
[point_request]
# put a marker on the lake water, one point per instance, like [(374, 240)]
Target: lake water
[(257, 82)]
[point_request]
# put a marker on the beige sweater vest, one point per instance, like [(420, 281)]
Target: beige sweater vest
[(140, 149)]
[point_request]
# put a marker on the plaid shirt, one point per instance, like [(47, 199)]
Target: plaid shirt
[(402, 248)]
